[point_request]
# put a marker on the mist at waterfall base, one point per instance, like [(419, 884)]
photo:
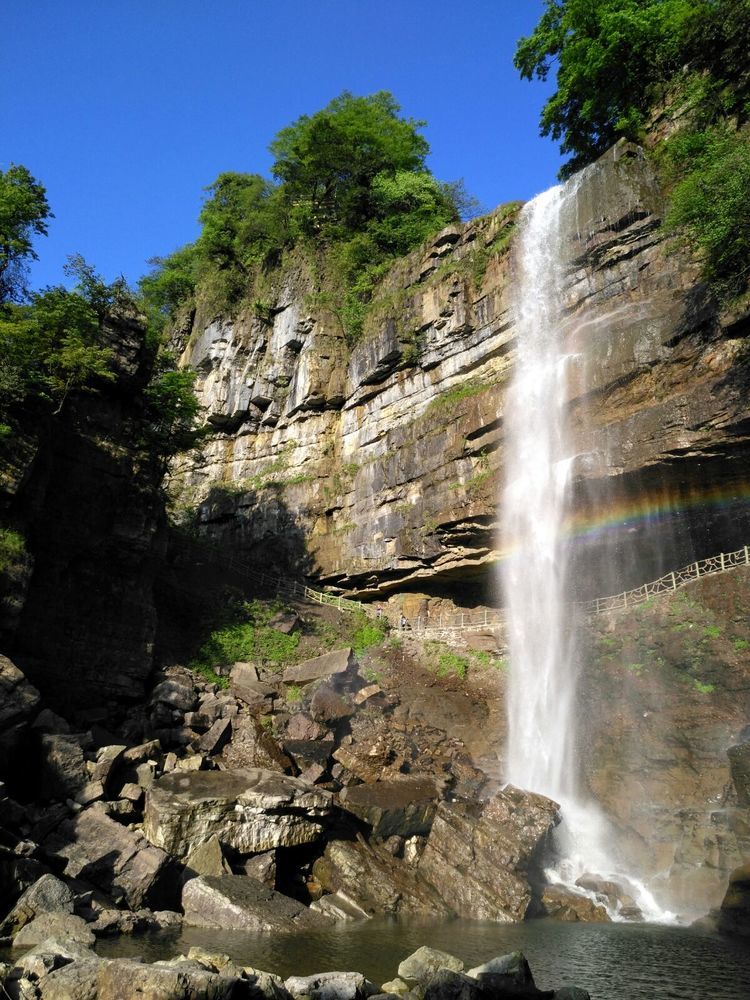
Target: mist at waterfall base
[(539, 458)]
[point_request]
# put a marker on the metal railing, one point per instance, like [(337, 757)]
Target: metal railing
[(469, 620), (488, 618), (276, 584)]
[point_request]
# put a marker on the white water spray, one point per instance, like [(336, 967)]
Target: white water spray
[(534, 504)]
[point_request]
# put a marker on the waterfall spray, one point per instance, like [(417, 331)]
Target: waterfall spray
[(535, 578)]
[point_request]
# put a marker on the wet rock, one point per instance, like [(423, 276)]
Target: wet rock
[(47, 895), (18, 703), (330, 986), (734, 912), (425, 961), (447, 985), (478, 855), (121, 862), (402, 807), (508, 975), (378, 883), (339, 906), (239, 902), (56, 926), (335, 663), (250, 810), (562, 903)]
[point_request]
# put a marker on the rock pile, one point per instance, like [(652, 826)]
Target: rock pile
[(53, 971), (283, 803)]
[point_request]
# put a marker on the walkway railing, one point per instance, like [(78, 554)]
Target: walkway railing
[(489, 618), (471, 620), (280, 585), (669, 582)]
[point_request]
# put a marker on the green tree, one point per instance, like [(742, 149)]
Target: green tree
[(23, 215), (172, 410), (608, 55), (328, 161)]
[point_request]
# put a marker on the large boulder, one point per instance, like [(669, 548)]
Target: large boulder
[(332, 664), (403, 807), (47, 895), (119, 861), (478, 855), (563, 903), (18, 704), (376, 881), (63, 765), (252, 746), (239, 902), (55, 926), (330, 986), (250, 810), (425, 962)]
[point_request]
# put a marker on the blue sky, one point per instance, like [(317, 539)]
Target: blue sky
[(127, 109)]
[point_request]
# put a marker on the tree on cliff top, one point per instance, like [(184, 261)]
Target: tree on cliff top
[(610, 54), (350, 178), (23, 215)]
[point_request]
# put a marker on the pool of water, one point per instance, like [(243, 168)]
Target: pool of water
[(611, 961)]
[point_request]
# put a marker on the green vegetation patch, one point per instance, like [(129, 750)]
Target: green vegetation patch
[(12, 549), (249, 638)]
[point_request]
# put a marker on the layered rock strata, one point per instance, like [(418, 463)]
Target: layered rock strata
[(377, 465)]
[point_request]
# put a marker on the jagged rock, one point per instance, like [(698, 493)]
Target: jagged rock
[(302, 726), (239, 902), (734, 913), (261, 867), (377, 882), (57, 926), (403, 807), (330, 986), (107, 759), (286, 622), (63, 765), (307, 752), (141, 753), (250, 810), (335, 663), (562, 903), (339, 906), (47, 895), (328, 706), (119, 861), (92, 791), (18, 703), (49, 722), (478, 855), (216, 738), (424, 962), (207, 858), (739, 762), (245, 685), (176, 690), (252, 746)]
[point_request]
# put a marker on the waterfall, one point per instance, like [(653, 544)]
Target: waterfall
[(538, 458)]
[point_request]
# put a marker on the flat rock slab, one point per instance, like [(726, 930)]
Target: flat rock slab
[(403, 807), (115, 859), (338, 661), (377, 882), (250, 810), (239, 902), (57, 926)]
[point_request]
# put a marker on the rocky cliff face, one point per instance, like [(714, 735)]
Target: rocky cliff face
[(377, 466), (80, 619)]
